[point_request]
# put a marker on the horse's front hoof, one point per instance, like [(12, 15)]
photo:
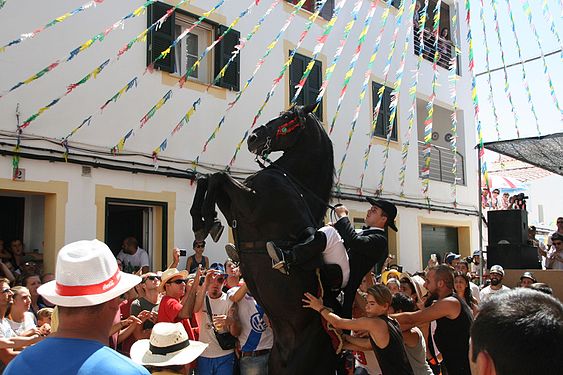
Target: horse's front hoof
[(216, 231), (200, 235), (232, 252)]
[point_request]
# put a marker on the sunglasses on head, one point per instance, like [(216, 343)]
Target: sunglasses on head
[(177, 281)]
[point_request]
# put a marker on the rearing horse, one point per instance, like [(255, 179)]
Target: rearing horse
[(278, 203)]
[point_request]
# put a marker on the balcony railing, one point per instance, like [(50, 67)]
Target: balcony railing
[(441, 163), (446, 49)]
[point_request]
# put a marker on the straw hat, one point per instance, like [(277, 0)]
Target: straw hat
[(168, 274), (391, 273), (86, 275), (168, 346)]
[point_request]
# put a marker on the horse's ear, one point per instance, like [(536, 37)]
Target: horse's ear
[(309, 108)]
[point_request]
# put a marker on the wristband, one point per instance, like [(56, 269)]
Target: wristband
[(323, 309)]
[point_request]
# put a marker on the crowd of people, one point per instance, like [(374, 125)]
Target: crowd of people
[(101, 313)]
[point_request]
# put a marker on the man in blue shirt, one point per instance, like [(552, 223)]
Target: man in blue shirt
[(87, 290)]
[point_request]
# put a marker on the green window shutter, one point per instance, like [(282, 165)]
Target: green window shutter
[(312, 86), (384, 113), (159, 40), (327, 10), (223, 52)]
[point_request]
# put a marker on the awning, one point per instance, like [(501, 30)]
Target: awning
[(545, 151)]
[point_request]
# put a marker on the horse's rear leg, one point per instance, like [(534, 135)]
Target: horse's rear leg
[(198, 225)]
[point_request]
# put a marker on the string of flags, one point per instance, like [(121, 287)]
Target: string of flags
[(428, 122), (412, 93), (121, 143), (528, 13), (341, 44), (361, 97), (353, 61), (452, 79), (52, 23), (273, 43), (507, 90), (395, 94), (238, 48), (72, 54), (318, 48), (376, 110), (474, 98)]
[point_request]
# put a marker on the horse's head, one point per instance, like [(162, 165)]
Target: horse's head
[(281, 133)]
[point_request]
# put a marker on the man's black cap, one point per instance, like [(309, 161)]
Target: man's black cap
[(387, 207)]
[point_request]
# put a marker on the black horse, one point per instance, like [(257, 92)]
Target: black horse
[(278, 203)]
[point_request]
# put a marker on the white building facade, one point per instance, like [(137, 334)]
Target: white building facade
[(104, 194)]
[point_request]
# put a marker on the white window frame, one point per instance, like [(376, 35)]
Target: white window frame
[(204, 32)]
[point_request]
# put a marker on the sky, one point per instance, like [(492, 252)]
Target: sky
[(550, 119)]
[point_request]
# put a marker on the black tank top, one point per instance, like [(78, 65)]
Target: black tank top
[(452, 339), (195, 264), (393, 358)]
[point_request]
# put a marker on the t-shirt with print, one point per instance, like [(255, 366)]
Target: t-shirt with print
[(219, 306), (255, 333), (168, 312), (132, 263), (27, 324)]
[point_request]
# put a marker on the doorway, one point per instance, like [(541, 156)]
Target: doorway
[(438, 240), (139, 219)]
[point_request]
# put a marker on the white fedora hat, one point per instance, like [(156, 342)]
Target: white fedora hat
[(168, 346), (86, 275)]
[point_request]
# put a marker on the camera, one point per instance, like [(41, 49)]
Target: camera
[(183, 252)]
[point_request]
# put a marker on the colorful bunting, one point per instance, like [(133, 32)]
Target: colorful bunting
[(70, 88), (507, 90), (318, 48), (377, 108), (155, 26), (522, 67), (50, 24), (474, 97), (99, 37), (428, 122), (452, 79), (528, 12), (395, 94), (338, 53), (318, 6), (412, 92), (352, 65), (220, 75), (88, 120), (365, 85), (155, 108)]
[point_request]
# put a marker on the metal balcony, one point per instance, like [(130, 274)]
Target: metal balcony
[(441, 163), (446, 49)]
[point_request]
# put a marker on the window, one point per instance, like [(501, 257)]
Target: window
[(312, 86), (189, 49), (309, 5), (382, 126)]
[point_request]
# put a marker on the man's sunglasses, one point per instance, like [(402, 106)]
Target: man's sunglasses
[(199, 245), (557, 243), (177, 281), (7, 290), (152, 278)]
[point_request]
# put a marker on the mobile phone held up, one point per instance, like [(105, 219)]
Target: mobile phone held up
[(183, 252)]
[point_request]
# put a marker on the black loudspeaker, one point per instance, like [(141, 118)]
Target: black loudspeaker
[(513, 256), (508, 226)]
